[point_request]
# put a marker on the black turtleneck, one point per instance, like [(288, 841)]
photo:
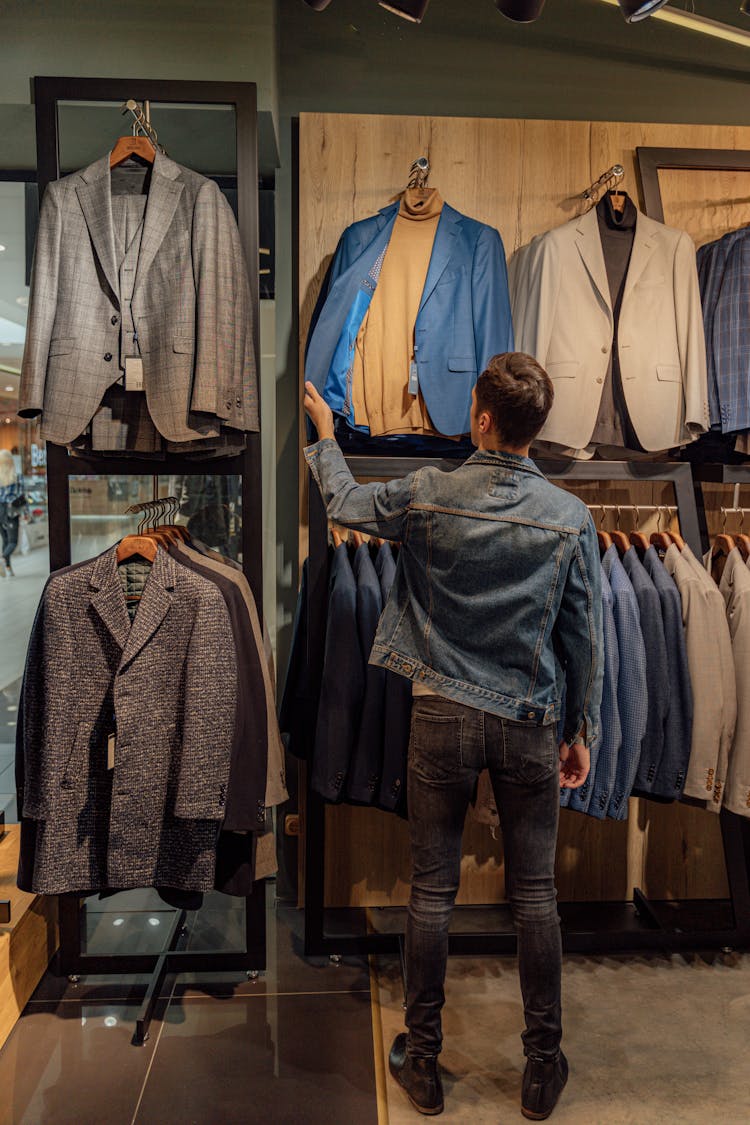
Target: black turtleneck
[(617, 233)]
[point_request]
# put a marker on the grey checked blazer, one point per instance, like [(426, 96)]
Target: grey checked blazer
[(191, 305), (167, 686)]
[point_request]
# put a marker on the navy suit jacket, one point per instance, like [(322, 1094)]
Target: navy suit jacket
[(594, 795), (363, 783), (724, 278), (397, 713), (657, 669), (669, 776), (343, 685), (464, 316)]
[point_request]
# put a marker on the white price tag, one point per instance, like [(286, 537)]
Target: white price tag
[(133, 373)]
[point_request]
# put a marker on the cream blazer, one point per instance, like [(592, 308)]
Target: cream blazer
[(562, 315)]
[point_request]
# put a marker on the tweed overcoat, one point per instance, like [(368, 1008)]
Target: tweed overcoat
[(191, 307), (165, 686)]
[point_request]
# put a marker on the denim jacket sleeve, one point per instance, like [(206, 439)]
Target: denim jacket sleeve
[(380, 508), (578, 638)]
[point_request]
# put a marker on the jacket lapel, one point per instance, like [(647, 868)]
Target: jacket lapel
[(445, 241), (108, 597), (154, 605), (589, 243), (94, 196), (163, 197), (644, 244)]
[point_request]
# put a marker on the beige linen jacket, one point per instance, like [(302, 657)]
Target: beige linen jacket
[(735, 588), (562, 315)]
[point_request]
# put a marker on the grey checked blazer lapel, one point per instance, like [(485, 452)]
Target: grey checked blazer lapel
[(163, 196), (95, 198)]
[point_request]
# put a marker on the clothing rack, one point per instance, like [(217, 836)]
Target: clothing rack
[(587, 927), (175, 955)]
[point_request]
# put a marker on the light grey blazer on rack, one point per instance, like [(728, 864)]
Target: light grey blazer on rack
[(191, 306)]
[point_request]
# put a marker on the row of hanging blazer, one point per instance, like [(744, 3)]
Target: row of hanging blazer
[(147, 748), (353, 727), (608, 303), (140, 334)]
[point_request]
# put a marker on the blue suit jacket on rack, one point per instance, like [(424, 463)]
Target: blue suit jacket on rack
[(463, 320)]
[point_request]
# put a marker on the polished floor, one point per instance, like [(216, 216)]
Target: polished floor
[(657, 1039)]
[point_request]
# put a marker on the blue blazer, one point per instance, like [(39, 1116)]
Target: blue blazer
[(594, 795), (632, 684), (669, 776), (363, 783), (657, 669), (724, 279), (464, 316)]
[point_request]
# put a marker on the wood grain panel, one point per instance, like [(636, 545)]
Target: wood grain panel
[(522, 177)]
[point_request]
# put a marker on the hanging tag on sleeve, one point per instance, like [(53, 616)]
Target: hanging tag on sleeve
[(133, 373), (413, 378), (111, 751)]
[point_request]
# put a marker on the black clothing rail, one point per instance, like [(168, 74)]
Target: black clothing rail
[(587, 927), (242, 97)]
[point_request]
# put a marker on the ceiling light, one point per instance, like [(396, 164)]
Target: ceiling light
[(1, 247), (413, 10), (520, 11), (691, 22), (318, 5), (635, 10)]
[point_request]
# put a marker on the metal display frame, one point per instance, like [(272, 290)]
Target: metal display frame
[(587, 927), (48, 92)]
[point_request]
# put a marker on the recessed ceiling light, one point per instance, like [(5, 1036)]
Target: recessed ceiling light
[(1, 247), (22, 301)]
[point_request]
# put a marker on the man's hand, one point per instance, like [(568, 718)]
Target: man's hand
[(319, 412), (575, 763)]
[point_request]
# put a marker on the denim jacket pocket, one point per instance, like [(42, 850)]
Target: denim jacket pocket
[(531, 754), (435, 745)]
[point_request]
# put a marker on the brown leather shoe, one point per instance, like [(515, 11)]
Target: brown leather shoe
[(543, 1082), (418, 1077)]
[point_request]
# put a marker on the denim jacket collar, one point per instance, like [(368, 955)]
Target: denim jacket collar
[(501, 457)]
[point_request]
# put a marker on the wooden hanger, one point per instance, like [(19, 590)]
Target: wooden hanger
[(743, 542), (337, 537), (662, 540), (621, 541), (357, 538), (720, 549), (125, 147), (605, 540), (132, 546), (639, 540), (618, 200)]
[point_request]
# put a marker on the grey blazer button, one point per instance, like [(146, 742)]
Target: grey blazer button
[(239, 402), (229, 404), (107, 357), (113, 320)]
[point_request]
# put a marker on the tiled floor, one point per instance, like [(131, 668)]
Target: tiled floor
[(294, 1047)]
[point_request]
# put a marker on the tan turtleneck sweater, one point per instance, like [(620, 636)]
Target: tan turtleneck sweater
[(385, 342)]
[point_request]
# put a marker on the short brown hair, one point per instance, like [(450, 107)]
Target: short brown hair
[(517, 393)]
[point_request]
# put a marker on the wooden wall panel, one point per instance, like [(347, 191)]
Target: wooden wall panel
[(522, 177)]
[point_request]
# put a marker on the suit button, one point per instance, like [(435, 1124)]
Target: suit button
[(113, 320), (600, 380), (107, 357), (229, 404), (605, 349), (239, 402)]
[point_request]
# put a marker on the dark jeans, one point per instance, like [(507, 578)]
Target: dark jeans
[(449, 745), (8, 534)]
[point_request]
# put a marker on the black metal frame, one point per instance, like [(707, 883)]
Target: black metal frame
[(47, 93), (651, 160), (587, 927)]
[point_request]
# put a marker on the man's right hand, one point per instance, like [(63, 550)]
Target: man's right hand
[(575, 764)]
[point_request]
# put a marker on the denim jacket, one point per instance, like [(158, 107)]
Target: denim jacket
[(497, 595)]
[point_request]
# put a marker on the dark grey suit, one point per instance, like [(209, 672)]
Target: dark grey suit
[(166, 685), (190, 305), (367, 761)]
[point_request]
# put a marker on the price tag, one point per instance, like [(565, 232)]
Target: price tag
[(413, 378), (133, 373), (111, 751)]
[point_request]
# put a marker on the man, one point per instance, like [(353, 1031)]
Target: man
[(495, 607)]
